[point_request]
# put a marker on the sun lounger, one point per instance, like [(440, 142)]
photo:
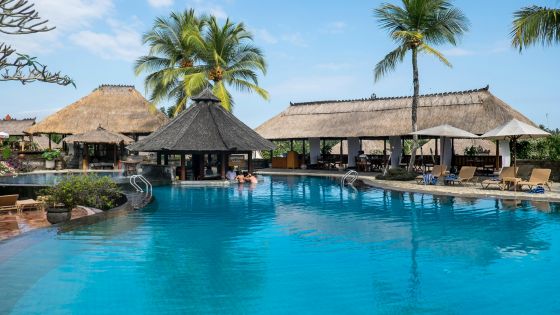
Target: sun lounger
[(27, 204), (539, 177), (507, 172), (437, 172), (466, 175), (8, 203)]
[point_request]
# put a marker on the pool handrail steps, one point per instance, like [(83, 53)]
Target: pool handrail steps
[(351, 175), (143, 179)]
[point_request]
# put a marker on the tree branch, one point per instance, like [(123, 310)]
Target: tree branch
[(19, 17)]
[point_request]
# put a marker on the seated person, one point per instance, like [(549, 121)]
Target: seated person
[(251, 179), (240, 178), (231, 174)]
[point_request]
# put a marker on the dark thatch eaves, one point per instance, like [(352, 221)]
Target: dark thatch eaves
[(476, 111), (99, 135), (118, 108), (16, 127), (204, 127)]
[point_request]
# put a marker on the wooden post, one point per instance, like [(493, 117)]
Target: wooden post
[(158, 161), (291, 144), (165, 159), (497, 154), (223, 165), (303, 148), (250, 162), (50, 145), (323, 153), (341, 149), (85, 161), (114, 155), (384, 149), (183, 171)]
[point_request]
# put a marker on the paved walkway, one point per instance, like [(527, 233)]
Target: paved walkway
[(469, 190)]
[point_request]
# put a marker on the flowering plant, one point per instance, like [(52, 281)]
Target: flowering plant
[(6, 169)]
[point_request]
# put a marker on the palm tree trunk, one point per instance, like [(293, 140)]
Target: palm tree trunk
[(415, 97)]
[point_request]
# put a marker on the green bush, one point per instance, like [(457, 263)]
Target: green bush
[(99, 192), (399, 174), (50, 155)]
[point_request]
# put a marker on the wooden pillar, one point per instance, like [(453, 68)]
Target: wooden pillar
[(437, 150), (291, 144), (114, 155), (158, 155), (384, 148), (323, 153), (497, 154), (303, 148), (50, 145), (341, 150), (223, 165), (85, 161), (165, 159), (250, 162), (183, 170)]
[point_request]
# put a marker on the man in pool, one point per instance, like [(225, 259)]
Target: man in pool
[(240, 178), (231, 174), (250, 178)]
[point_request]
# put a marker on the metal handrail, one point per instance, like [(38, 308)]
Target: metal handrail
[(143, 179), (353, 175)]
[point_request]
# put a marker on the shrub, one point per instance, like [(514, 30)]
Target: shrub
[(399, 174), (99, 192), (50, 155), (6, 169)]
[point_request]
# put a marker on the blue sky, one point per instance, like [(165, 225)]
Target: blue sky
[(316, 50)]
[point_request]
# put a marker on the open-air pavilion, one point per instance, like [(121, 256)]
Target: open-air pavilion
[(204, 129), (389, 119), (99, 148)]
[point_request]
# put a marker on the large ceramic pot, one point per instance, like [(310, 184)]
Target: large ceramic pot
[(57, 215), (49, 164)]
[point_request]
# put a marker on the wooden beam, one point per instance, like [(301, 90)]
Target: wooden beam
[(223, 165), (183, 171), (250, 162), (158, 158)]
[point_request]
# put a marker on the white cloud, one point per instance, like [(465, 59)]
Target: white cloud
[(319, 87), (295, 39), (265, 36), (208, 7), (337, 27), (123, 42), (160, 3), (457, 52)]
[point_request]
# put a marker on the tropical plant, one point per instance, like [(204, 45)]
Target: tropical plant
[(414, 27), (188, 53), (99, 192), (535, 24), (50, 155)]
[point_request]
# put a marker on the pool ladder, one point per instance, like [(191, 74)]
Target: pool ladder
[(147, 184), (351, 176)]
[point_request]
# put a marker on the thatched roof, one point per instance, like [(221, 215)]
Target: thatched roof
[(16, 127), (99, 135), (118, 108), (476, 111), (205, 126)]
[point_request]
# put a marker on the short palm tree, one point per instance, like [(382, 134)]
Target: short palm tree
[(188, 53), (534, 24), (415, 26)]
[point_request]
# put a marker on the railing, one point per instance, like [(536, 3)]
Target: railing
[(351, 176), (132, 181)]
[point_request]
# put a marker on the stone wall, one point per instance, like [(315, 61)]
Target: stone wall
[(525, 167)]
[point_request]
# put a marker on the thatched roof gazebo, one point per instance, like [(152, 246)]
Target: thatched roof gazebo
[(203, 128), (96, 137), (117, 108)]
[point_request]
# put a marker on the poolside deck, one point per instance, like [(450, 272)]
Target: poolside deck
[(467, 191)]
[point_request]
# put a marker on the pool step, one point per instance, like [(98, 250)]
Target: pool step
[(138, 199)]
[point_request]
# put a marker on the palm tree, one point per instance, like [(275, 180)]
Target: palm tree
[(415, 26), (534, 24), (188, 53), (228, 58)]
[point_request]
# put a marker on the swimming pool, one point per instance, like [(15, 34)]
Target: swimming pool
[(293, 245)]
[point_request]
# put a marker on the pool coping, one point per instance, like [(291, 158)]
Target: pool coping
[(423, 189)]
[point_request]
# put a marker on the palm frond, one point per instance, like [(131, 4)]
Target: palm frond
[(532, 25), (390, 61)]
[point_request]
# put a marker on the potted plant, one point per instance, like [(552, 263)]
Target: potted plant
[(99, 192), (50, 156)]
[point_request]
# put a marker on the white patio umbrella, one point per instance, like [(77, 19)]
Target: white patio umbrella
[(447, 131), (515, 130), (4, 135)]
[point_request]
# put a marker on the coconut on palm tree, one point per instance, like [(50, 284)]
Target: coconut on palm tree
[(415, 27), (188, 53), (535, 24)]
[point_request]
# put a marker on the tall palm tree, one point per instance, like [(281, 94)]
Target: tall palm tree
[(415, 26), (188, 53), (534, 24), (228, 58)]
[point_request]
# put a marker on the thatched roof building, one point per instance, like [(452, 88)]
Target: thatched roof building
[(376, 146), (476, 111), (16, 127), (99, 135), (118, 108), (204, 127)]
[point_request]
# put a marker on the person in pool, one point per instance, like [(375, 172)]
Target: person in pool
[(240, 178), (231, 174), (250, 178)]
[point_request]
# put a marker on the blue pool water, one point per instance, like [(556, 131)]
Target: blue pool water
[(293, 246)]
